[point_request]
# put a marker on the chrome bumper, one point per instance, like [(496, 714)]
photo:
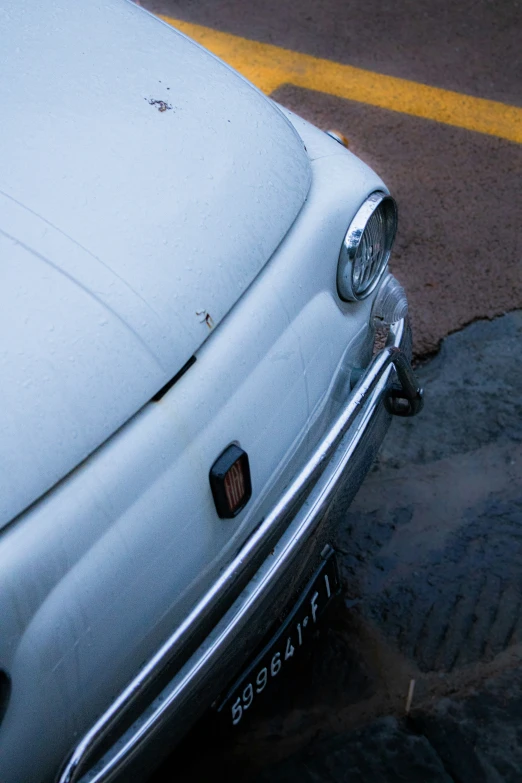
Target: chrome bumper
[(283, 548)]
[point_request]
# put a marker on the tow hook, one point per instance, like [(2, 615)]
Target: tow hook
[(404, 397)]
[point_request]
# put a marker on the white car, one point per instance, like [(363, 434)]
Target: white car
[(191, 394)]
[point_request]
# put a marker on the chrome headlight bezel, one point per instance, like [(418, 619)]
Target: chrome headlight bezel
[(377, 215)]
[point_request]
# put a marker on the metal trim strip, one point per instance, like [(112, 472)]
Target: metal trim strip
[(319, 477)]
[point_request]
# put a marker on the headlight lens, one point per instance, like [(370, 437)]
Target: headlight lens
[(366, 247)]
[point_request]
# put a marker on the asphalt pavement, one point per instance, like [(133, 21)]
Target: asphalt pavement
[(459, 246), (416, 675)]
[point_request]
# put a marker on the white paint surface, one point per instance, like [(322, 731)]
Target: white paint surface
[(133, 221)]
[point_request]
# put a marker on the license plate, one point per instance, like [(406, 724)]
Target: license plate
[(275, 658)]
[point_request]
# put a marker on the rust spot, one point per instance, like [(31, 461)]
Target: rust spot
[(207, 318), (162, 105)]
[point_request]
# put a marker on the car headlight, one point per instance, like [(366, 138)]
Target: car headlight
[(366, 247)]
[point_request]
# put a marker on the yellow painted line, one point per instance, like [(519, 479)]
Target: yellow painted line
[(269, 67)]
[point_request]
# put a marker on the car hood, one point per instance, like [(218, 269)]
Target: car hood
[(143, 186)]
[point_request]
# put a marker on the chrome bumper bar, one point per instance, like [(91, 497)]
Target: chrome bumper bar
[(297, 513)]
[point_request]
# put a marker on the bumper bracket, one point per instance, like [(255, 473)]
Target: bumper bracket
[(404, 398)]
